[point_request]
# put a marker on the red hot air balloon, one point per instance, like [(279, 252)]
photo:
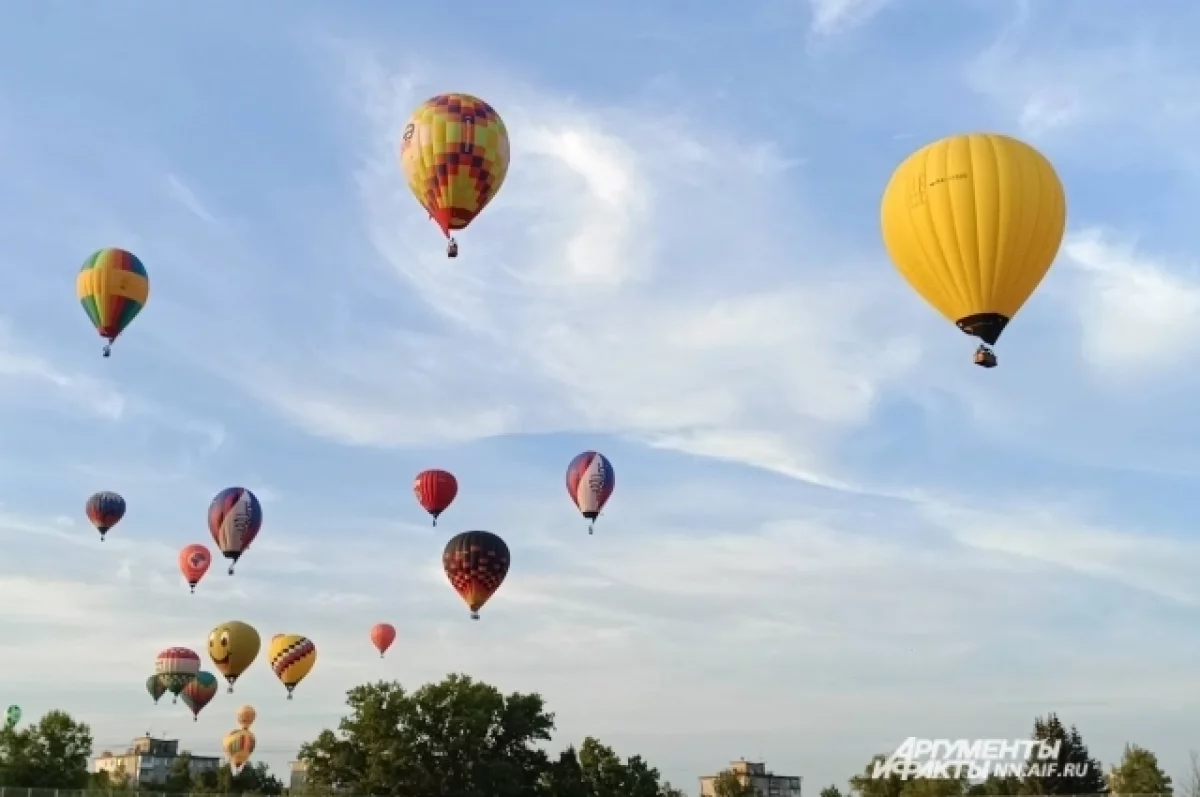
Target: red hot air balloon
[(382, 636), (194, 561), (435, 491)]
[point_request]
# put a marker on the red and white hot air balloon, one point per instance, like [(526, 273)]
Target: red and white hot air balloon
[(382, 637), (435, 491)]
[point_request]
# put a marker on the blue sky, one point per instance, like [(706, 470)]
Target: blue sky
[(829, 533)]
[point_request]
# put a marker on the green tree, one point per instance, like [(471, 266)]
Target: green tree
[(1087, 776), (179, 778), (867, 785), (53, 754), (455, 738), (995, 786), (729, 784), (1192, 787), (1138, 773), (831, 791)]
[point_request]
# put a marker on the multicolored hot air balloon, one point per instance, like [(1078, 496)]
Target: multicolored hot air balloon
[(292, 658), (590, 483), (435, 491), (199, 693), (194, 561), (246, 716), (455, 156), (234, 518), (176, 668), (238, 746), (476, 563), (113, 288), (233, 646), (155, 687), (973, 223), (382, 637), (105, 510), (12, 717)]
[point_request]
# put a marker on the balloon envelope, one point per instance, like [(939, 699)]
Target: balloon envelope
[(435, 491), (476, 563), (292, 658), (112, 287), (194, 561), (246, 716), (105, 510), (382, 637), (973, 223), (233, 646), (455, 153), (590, 482)]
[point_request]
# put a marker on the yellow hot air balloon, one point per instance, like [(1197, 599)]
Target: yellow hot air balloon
[(238, 746), (455, 157), (233, 646), (973, 223), (246, 716), (292, 657)]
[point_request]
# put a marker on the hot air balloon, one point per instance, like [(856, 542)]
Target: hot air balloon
[(12, 716), (155, 687), (973, 223), (238, 746), (194, 561), (199, 693), (455, 156), (233, 646), (176, 668), (105, 510), (476, 563), (292, 658), (113, 288), (435, 491), (382, 637), (234, 518), (590, 483), (246, 716)]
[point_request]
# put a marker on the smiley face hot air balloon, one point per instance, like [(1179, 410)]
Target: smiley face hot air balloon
[(435, 491), (238, 746), (233, 646), (590, 483), (105, 510), (113, 288), (199, 693), (194, 561), (476, 563), (382, 637), (973, 223), (454, 152), (155, 687), (292, 658), (176, 668), (246, 716), (234, 518)]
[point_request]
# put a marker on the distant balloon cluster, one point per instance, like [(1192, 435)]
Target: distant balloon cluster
[(972, 222)]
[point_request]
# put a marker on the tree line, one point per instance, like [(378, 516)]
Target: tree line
[(464, 738)]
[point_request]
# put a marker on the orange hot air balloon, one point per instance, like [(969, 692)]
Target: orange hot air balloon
[(194, 561), (382, 636)]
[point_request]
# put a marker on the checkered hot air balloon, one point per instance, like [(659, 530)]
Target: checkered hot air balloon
[(590, 483), (234, 519), (454, 152), (105, 510), (292, 658), (476, 563)]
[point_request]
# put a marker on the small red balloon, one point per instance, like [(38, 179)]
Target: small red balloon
[(382, 636), (435, 491)]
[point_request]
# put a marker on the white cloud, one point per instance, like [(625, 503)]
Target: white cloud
[(1136, 314), (830, 17), (625, 282)]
